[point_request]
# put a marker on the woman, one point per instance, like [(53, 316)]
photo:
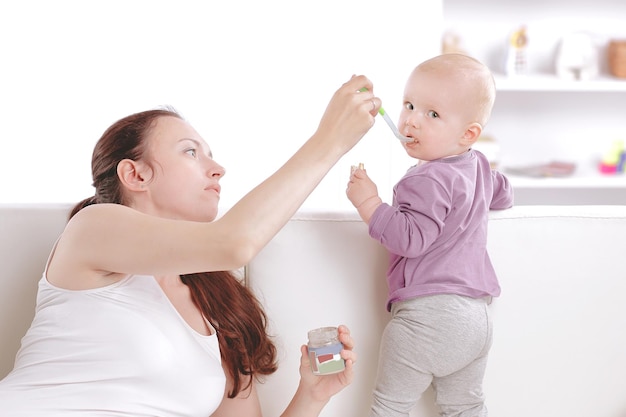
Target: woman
[(134, 314)]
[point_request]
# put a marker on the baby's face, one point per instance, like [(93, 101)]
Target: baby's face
[(436, 113)]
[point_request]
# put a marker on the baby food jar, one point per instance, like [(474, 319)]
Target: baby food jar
[(325, 351)]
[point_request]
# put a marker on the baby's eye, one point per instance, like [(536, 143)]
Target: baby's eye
[(408, 106), (433, 114), (191, 151)]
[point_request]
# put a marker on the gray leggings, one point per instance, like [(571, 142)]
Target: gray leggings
[(441, 340)]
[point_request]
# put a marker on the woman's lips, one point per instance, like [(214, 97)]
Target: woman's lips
[(215, 188)]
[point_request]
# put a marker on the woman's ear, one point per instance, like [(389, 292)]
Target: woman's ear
[(131, 174), (471, 135)]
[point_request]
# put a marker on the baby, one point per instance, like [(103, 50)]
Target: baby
[(440, 278)]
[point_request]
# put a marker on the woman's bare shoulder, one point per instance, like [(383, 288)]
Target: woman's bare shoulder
[(70, 266)]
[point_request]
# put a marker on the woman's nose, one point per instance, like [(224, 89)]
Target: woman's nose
[(215, 170)]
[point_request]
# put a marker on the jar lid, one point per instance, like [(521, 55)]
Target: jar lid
[(323, 334)]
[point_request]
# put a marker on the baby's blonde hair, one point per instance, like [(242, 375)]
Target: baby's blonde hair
[(475, 75)]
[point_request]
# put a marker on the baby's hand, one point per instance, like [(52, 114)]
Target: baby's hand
[(360, 187), (362, 193)]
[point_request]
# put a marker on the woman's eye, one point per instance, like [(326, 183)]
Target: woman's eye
[(433, 114), (191, 152), (408, 106)]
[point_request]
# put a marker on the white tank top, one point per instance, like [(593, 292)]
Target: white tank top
[(122, 350)]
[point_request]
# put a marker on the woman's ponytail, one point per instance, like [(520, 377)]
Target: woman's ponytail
[(78, 207), (125, 139)]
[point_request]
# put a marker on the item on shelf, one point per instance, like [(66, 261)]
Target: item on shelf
[(617, 57), (550, 169), (488, 146), (613, 161), (451, 43), (516, 60), (577, 57)]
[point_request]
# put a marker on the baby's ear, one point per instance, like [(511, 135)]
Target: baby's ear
[(472, 133)]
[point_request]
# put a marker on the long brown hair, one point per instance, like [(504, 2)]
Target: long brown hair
[(246, 348)]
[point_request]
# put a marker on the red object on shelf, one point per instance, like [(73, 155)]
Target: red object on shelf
[(607, 168)]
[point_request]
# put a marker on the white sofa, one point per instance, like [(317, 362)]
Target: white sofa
[(560, 325)]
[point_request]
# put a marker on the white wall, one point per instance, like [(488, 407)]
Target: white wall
[(559, 339), (253, 77)]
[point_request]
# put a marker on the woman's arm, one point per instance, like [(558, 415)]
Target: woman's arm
[(263, 211), (120, 240)]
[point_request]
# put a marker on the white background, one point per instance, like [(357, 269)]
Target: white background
[(253, 77)]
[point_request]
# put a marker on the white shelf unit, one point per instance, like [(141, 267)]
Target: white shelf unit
[(548, 82), (539, 117)]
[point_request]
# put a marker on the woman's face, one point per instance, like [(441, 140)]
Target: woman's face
[(184, 181)]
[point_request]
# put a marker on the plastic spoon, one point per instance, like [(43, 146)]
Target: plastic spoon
[(391, 124), (393, 127)]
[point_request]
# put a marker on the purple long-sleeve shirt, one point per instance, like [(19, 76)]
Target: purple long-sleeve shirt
[(436, 228)]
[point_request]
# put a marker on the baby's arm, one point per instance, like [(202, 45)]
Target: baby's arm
[(363, 194), (502, 192)]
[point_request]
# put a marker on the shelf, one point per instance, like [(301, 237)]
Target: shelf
[(617, 181), (540, 117), (551, 83)]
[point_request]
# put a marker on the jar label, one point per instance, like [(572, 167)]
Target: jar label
[(326, 360)]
